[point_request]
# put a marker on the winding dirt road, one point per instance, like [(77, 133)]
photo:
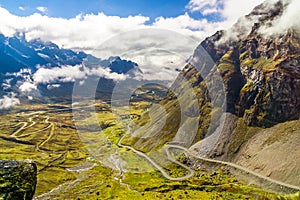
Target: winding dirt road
[(279, 183), (157, 166)]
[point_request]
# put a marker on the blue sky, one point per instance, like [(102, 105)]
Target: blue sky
[(122, 8)]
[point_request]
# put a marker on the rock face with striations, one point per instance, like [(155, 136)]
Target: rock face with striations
[(17, 180), (261, 73)]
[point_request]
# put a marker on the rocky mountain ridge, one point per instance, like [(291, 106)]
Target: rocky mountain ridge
[(25, 65), (261, 79), (17, 53), (244, 81)]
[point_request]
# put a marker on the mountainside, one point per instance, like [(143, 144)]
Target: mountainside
[(261, 74), (250, 82), (273, 152)]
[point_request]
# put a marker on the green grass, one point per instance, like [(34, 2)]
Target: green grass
[(137, 179), (267, 65), (240, 135)]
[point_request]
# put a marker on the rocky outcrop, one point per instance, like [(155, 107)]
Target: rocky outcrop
[(271, 92), (17, 180), (261, 74)]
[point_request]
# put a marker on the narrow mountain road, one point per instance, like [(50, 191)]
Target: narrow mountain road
[(20, 129), (14, 137), (158, 167), (279, 183), (52, 133), (27, 134), (25, 126), (32, 123), (191, 172)]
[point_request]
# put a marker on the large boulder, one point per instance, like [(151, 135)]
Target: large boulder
[(17, 179)]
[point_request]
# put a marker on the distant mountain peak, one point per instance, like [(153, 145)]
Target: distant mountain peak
[(17, 53)]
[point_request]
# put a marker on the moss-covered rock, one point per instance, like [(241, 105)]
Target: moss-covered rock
[(17, 180)]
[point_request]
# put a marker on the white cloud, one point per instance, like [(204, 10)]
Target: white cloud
[(186, 25), (233, 12), (279, 25), (105, 73), (21, 73), (234, 9), (6, 84), (58, 74), (71, 74), (53, 77), (230, 10), (42, 9), (52, 86), (9, 101), (27, 87), (81, 32), (209, 11), (21, 8), (289, 19), (89, 31), (200, 5), (153, 49)]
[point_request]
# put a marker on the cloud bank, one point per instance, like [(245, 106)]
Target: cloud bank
[(72, 73), (288, 20), (63, 74), (83, 31), (9, 101), (89, 31)]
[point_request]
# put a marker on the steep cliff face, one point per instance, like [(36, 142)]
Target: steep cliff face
[(260, 76), (260, 73), (271, 94), (242, 78)]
